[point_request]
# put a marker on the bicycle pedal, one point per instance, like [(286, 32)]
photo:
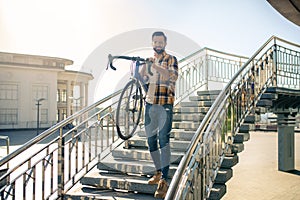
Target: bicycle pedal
[(132, 110)]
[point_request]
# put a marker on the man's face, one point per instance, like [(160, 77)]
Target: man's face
[(158, 44)]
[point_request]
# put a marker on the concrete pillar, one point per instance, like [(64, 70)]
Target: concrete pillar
[(86, 95), (69, 101), (81, 95), (286, 143)]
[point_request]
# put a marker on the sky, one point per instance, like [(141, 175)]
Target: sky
[(73, 29)]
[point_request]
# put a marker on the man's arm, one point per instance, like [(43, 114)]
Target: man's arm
[(163, 71)]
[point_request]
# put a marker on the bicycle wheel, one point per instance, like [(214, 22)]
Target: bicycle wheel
[(129, 109)]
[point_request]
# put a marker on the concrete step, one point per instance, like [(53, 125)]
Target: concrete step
[(183, 135), (241, 137), (224, 174), (270, 96), (103, 185), (110, 181), (147, 168), (172, 133), (140, 154), (141, 142), (261, 110), (245, 128), (125, 172), (266, 103), (128, 166), (186, 125), (208, 92), (218, 191), (196, 104), (252, 118), (188, 117), (84, 192), (179, 109), (237, 148), (230, 161), (203, 98)]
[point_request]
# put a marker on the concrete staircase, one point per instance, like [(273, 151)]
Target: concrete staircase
[(124, 173)]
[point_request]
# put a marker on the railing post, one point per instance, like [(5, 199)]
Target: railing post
[(275, 81), (206, 70), (60, 165)]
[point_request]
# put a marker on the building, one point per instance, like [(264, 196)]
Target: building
[(39, 89)]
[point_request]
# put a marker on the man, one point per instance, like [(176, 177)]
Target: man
[(159, 110)]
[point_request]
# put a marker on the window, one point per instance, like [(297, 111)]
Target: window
[(44, 116), (40, 91), (8, 104), (8, 116), (63, 97), (8, 92), (57, 115), (57, 95), (64, 114)]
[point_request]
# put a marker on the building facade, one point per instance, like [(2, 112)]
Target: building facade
[(38, 89)]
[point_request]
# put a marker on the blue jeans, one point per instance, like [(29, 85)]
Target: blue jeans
[(158, 125)]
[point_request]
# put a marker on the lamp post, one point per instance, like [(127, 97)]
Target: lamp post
[(38, 114)]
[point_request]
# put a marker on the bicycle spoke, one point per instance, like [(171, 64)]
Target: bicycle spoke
[(129, 109)]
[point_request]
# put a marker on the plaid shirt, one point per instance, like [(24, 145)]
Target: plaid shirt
[(161, 89)]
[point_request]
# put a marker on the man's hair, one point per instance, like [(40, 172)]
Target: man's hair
[(159, 33)]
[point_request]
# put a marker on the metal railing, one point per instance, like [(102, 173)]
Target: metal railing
[(6, 138), (273, 64), (203, 66), (65, 156), (51, 163), (47, 166)]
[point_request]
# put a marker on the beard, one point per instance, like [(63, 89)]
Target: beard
[(159, 51)]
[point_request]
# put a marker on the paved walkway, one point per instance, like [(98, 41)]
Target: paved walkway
[(17, 138), (256, 175)]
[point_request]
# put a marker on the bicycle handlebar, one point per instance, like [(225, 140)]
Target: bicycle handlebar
[(132, 58)]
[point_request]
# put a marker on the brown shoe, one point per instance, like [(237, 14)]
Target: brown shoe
[(162, 189), (155, 179)]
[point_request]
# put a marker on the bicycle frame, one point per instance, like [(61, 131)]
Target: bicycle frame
[(138, 61), (136, 75), (132, 97)]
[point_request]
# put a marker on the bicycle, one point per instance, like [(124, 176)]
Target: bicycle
[(130, 104)]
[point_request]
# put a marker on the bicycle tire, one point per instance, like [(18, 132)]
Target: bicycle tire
[(129, 109)]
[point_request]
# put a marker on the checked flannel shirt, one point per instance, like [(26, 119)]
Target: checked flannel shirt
[(162, 89)]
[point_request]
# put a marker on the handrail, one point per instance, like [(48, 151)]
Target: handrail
[(198, 64), (195, 64), (67, 142), (179, 178), (6, 138), (64, 157), (213, 50), (49, 131)]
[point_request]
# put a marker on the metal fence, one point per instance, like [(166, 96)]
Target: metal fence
[(203, 66), (50, 164), (272, 64)]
